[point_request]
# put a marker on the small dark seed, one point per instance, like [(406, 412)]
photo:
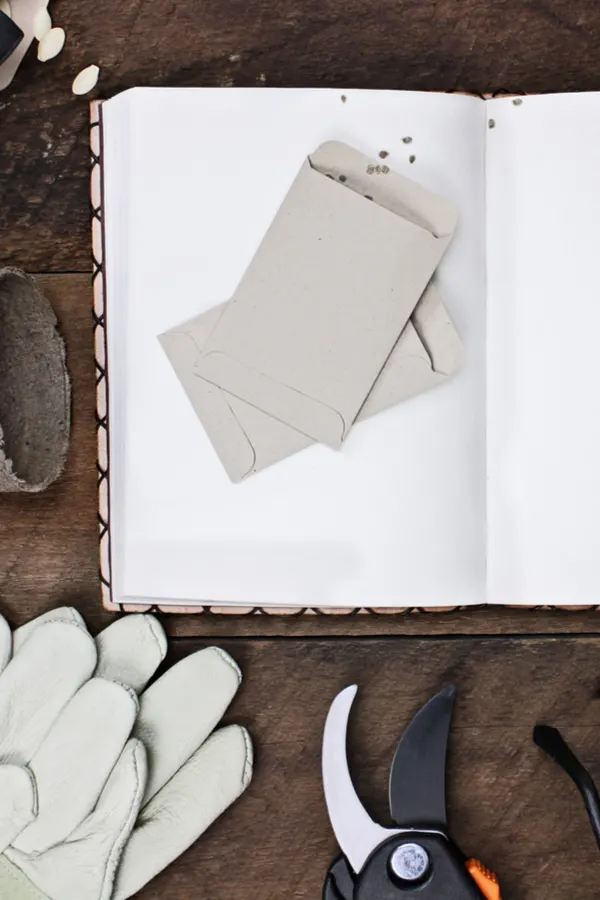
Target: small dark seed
[(383, 154)]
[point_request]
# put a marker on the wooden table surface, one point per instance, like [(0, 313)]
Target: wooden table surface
[(513, 668)]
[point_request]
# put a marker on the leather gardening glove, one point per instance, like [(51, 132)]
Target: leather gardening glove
[(42, 667), (115, 809)]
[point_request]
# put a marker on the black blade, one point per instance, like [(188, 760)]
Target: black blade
[(10, 36), (551, 741), (339, 883), (418, 774)]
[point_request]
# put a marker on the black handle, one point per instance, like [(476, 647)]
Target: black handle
[(339, 884), (551, 741), (10, 36)]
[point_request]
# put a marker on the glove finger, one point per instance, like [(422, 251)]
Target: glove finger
[(209, 782), (84, 868), (5, 643), (18, 802), (181, 709), (73, 764), (38, 682), (131, 650), (62, 614)]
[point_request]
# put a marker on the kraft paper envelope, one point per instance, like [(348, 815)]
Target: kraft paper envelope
[(328, 292), (248, 440)]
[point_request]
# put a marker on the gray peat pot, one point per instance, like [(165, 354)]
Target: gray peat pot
[(35, 398)]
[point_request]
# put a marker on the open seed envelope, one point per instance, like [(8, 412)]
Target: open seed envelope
[(248, 440), (329, 291)]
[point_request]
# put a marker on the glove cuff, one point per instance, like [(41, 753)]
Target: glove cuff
[(15, 885)]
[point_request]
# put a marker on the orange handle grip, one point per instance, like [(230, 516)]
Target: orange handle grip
[(485, 879)]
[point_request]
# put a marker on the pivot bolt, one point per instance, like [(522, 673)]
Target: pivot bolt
[(410, 862)]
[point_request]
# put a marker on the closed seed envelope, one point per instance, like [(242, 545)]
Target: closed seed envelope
[(329, 291), (248, 440)]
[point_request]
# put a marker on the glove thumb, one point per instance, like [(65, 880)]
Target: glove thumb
[(84, 867), (18, 802)]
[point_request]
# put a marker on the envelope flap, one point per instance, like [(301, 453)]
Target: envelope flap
[(248, 440), (385, 187), (233, 445), (437, 333)]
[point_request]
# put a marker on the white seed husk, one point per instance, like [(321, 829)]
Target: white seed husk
[(42, 24), (86, 81), (51, 44)]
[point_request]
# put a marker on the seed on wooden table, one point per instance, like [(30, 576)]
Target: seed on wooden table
[(86, 80), (42, 24), (5, 8), (51, 44)]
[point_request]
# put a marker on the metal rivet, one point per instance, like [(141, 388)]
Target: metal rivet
[(409, 862)]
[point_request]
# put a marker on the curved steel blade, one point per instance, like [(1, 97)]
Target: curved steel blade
[(418, 773), (356, 832)]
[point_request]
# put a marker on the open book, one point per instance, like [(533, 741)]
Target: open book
[(485, 489)]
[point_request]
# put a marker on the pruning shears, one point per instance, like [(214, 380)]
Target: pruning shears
[(416, 859)]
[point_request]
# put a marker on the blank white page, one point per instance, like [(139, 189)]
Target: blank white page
[(543, 255), (192, 180)]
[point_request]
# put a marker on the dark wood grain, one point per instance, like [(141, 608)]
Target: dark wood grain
[(466, 622), (508, 804), (478, 45)]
